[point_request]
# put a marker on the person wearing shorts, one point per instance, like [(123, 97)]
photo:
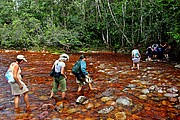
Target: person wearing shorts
[(59, 78), (136, 56), (18, 87), (83, 78)]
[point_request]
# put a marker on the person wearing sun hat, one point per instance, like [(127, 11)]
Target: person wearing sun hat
[(59, 78), (18, 87)]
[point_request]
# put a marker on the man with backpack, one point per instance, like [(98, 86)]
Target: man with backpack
[(79, 70)]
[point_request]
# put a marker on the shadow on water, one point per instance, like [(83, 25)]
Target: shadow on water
[(151, 93)]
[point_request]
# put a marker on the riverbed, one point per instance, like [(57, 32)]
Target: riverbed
[(151, 93)]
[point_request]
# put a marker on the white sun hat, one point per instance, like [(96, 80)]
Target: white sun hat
[(64, 57), (21, 57)]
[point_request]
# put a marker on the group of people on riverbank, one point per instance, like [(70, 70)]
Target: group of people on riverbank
[(158, 51), (19, 88)]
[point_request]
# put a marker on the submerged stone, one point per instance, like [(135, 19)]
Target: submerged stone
[(124, 101), (120, 116), (145, 91), (172, 90), (106, 110), (109, 92), (131, 86), (177, 106), (81, 99), (143, 97), (171, 95)]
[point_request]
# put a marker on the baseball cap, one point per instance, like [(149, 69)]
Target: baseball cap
[(21, 57)]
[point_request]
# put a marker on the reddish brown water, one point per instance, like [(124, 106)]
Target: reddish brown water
[(108, 70)]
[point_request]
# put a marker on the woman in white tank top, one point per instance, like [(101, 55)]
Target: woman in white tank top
[(18, 87)]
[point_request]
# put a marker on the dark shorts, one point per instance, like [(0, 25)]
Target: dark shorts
[(83, 80)]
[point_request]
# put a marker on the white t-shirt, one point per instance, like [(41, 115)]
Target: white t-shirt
[(59, 65), (135, 53)]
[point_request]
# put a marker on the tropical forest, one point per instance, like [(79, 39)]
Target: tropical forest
[(128, 52), (86, 25)]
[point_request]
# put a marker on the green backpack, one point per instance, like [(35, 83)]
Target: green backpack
[(77, 68)]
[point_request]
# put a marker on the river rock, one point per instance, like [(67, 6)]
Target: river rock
[(143, 97), (131, 86), (153, 87), (177, 66), (81, 99), (101, 71), (120, 116), (160, 90), (172, 90), (109, 92), (171, 95), (145, 91), (177, 106), (106, 110), (124, 101), (105, 99)]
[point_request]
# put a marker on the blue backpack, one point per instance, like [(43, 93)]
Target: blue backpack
[(9, 76), (77, 68)]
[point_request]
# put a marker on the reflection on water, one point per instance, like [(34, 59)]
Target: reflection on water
[(151, 93)]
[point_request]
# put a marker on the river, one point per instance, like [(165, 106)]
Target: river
[(151, 93)]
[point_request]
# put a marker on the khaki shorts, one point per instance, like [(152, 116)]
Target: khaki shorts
[(16, 90)]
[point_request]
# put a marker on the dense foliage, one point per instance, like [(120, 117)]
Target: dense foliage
[(82, 24)]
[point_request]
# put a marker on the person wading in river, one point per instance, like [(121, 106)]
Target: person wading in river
[(18, 87), (136, 56), (59, 77), (82, 77)]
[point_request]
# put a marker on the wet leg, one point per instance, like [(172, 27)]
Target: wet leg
[(90, 86), (79, 88), (16, 101), (138, 66), (52, 93), (134, 66), (26, 99), (63, 95)]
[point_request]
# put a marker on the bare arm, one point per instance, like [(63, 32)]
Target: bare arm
[(52, 66), (15, 75), (62, 72)]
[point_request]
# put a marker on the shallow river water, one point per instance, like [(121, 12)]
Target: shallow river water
[(151, 93)]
